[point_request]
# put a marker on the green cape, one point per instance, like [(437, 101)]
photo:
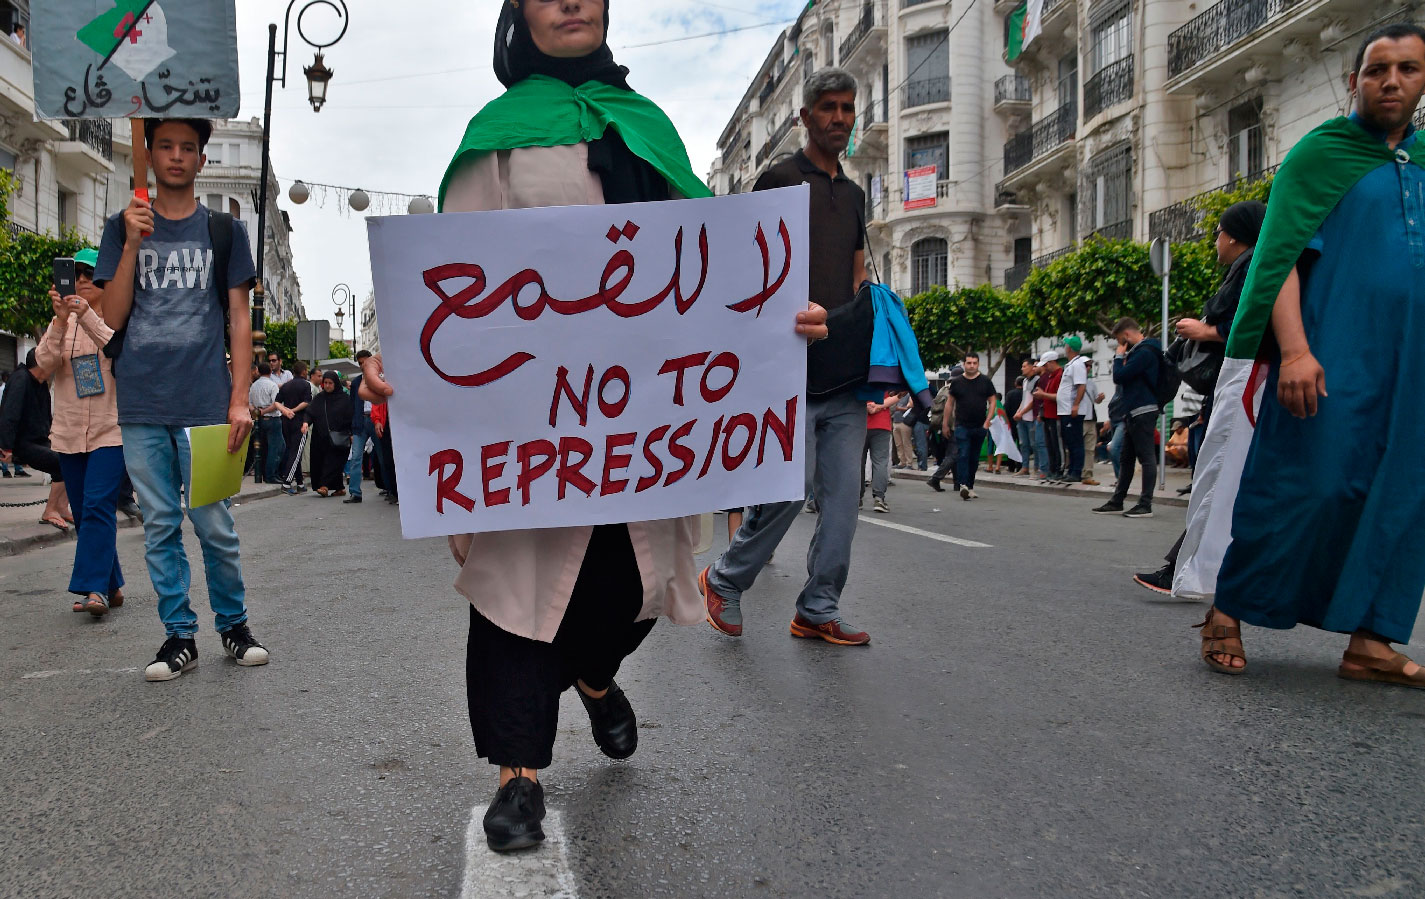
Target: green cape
[(545, 112), (1313, 178)]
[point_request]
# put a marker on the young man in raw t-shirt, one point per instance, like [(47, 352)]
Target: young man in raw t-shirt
[(171, 375)]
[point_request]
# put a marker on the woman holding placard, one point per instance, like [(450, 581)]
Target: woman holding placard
[(561, 607)]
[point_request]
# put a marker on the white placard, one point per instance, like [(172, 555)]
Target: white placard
[(594, 364), (920, 187)]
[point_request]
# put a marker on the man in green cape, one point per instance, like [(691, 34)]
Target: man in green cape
[(1329, 493)]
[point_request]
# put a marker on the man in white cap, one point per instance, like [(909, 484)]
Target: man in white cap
[(1046, 394)]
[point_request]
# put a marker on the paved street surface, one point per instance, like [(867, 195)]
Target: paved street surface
[(1026, 723)]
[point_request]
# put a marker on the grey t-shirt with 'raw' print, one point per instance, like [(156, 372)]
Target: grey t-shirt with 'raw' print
[(173, 370)]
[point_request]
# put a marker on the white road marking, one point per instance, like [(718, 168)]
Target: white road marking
[(40, 675), (541, 873), (943, 538)]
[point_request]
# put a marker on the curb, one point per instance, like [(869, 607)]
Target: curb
[(1074, 492), (18, 540)]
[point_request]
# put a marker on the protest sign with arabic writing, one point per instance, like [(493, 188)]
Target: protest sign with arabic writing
[(594, 364), (97, 59)]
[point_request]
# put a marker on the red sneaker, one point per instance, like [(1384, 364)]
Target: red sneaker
[(724, 616), (830, 631)]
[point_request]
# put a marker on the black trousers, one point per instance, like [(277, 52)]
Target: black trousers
[(292, 439), (40, 457), (513, 683), (1054, 445), (947, 461), (1138, 447)]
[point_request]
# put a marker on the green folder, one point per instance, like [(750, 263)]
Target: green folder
[(215, 473)]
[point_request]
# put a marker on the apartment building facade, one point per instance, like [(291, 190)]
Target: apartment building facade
[(1126, 110), (926, 74)]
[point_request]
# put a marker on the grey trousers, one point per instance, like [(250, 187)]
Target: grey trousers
[(836, 434), (878, 447)]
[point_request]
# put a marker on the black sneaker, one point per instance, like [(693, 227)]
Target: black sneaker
[(1112, 507), (354, 498), (1160, 581), (512, 820), (239, 643), (935, 485), (131, 509), (1139, 511), (175, 656)]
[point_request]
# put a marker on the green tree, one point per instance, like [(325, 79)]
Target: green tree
[(339, 350), (1213, 204), (27, 269), (282, 340), (948, 323)]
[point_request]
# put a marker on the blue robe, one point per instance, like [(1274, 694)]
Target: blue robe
[(1327, 518)]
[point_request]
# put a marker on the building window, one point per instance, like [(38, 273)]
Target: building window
[(1111, 37), (1023, 250), (1246, 150), (214, 202), (1107, 191), (234, 156), (929, 264), (927, 77), (1067, 83), (808, 67), (65, 208), (928, 149), (214, 153), (7, 160)]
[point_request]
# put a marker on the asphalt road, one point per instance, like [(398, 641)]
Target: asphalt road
[(1026, 723)]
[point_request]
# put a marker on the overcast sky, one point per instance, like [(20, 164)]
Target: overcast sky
[(408, 77)]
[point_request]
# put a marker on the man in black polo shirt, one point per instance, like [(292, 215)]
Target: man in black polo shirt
[(836, 425)]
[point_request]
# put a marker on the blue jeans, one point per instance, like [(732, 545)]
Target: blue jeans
[(967, 461), (1029, 447), (159, 464), (1072, 431), (836, 433), (920, 434), (274, 447), (1115, 448), (359, 436), (93, 480)]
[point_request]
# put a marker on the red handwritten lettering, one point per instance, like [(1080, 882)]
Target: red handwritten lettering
[(651, 480), (490, 469), (579, 402), (780, 428), (530, 471), (573, 472), (447, 482), (685, 456), (680, 365), (723, 360), (712, 447), (614, 410), (731, 460), (615, 461), (759, 299)]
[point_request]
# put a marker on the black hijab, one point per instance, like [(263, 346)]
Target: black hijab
[(517, 58), (625, 177)]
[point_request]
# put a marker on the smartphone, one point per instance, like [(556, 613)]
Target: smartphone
[(64, 276)]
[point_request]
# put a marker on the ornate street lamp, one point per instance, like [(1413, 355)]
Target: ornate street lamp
[(318, 75), (342, 294)]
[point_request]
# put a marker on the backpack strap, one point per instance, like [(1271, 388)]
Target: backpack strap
[(220, 235)]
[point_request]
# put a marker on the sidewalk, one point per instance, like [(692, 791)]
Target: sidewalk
[(20, 527), (1103, 472)]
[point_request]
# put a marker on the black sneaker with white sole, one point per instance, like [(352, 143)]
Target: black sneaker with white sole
[(239, 643), (1139, 511), (175, 656), (1112, 507)]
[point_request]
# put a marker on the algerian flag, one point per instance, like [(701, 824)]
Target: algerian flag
[(1025, 24), (133, 36)]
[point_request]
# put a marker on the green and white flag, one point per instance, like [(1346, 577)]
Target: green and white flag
[(1025, 24), (145, 58)]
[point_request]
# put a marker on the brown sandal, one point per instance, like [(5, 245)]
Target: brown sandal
[(1221, 639), (1384, 671)]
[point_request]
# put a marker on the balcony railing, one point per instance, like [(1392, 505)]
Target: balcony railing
[(1182, 221), (1116, 231), (1012, 89), (97, 134), (1044, 135), (1220, 27), (906, 3), (1015, 276), (776, 138), (921, 93), (1112, 84), (16, 229), (858, 33)]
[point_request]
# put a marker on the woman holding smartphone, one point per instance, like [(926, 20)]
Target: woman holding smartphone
[(86, 435)]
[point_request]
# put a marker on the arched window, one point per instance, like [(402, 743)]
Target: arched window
[(929, 263)]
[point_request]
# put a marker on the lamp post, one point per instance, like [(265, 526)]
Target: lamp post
[(341, 295), (318, 75)]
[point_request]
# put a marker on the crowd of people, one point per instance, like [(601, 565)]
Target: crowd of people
[(555, 609)]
